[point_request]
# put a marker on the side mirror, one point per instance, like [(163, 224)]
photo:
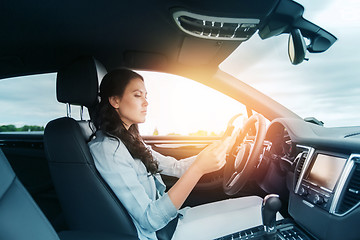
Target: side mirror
[(296, 47)]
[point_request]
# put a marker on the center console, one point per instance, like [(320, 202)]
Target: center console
[(286, 230), (317, 183), (324, 203), (271, 229), (326, 194)]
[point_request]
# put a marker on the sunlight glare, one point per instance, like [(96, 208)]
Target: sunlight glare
[(178, 105)]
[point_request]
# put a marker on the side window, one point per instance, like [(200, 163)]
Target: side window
[(28, 103), (180, 106), (177, 106)]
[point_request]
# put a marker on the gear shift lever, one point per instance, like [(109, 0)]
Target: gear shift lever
[(270, 206)]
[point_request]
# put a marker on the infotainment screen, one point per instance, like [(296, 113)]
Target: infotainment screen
[(325, 171)]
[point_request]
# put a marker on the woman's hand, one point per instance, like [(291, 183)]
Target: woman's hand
[(232, 131), (210, 159), (213, 157), (232, 141)]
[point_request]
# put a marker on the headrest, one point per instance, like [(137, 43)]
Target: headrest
[(78, 83)]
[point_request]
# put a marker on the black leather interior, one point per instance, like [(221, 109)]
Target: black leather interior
[(78, 82), (87, 201), (20, 217)]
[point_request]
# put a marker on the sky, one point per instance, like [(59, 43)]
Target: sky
[(326, 87), (24, 103)]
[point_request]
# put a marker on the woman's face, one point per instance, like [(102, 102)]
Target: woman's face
[(132, 106)]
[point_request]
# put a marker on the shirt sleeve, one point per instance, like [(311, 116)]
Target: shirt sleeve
[(118, 171), (171, 166)]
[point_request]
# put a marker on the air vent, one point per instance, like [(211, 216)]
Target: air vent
[(218, 28), (352, 190), (302, 163), (299, 166)]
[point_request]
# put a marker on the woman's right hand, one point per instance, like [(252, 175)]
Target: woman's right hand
[(213, 157), (210, 159)]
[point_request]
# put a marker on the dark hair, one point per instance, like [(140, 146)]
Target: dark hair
[(108, 120)]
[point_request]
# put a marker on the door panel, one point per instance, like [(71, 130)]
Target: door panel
[(178, 147)]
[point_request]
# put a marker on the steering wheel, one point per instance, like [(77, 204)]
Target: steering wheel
[(244, 155)]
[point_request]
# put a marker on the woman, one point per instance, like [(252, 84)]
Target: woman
[(132, 169)]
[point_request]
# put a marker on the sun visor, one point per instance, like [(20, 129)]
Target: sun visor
[(145, 60), (196, 51)]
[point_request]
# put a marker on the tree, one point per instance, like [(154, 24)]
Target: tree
[(7, 128), (25, 128), (201, 133)]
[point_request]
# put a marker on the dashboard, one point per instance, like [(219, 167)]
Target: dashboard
[(318, 170)]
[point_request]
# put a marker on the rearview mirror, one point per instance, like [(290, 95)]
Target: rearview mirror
[(296, 47)]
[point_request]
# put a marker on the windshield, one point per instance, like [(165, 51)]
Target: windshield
[(327, 86)]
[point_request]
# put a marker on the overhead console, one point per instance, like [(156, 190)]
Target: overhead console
[(216, 28), (326, 194)]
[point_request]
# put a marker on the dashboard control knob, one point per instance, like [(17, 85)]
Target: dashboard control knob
[(318, 199), (303, 191)]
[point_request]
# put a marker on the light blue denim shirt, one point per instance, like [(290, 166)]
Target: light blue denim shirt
[(142, 195)]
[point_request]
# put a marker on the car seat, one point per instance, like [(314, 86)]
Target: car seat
[(21, 218), (87, 201)]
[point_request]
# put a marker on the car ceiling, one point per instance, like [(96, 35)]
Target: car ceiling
[(41, 36)]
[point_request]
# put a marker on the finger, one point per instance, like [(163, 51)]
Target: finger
[(228, 132), (220, 150), (224, 151), (213, 145), (227, 140), (226, 143), (235, 134), (222, 163), (219, 143)]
